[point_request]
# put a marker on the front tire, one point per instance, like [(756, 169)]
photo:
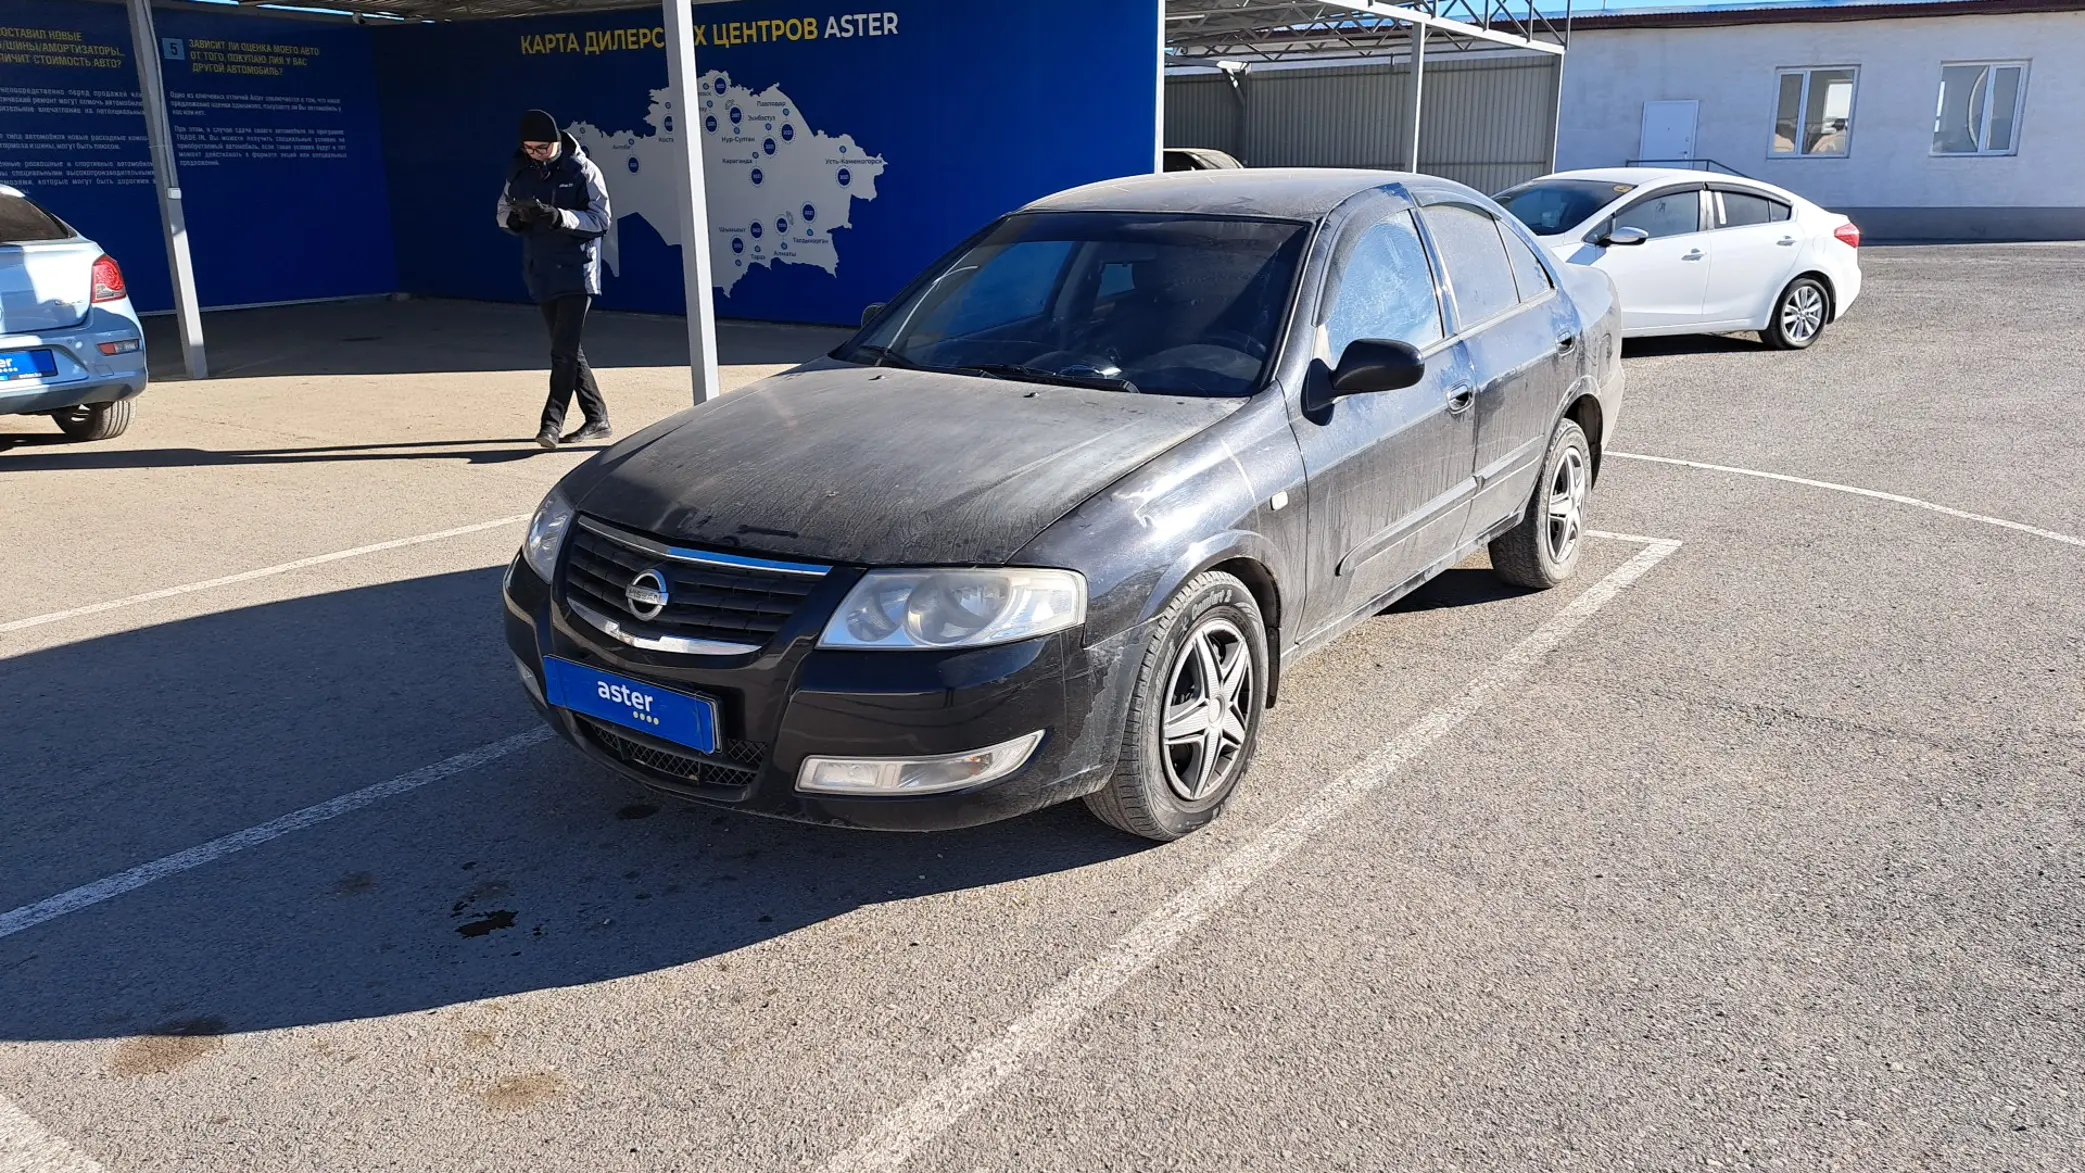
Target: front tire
[(1194, 719), (1544, 549), (94, 421), (1800, 315)]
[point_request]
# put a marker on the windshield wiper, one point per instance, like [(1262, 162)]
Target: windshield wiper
[(884, 356), (1040, 375)]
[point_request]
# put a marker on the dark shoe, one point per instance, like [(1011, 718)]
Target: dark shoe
[(593, 430), (547, 437)]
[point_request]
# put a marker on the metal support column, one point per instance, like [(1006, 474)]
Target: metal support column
[(683, 81), (1418, 90), (1158, 151), (159, 133)]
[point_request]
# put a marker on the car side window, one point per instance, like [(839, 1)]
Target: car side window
[(1739, 209), (1474, 254), (1673, 214), (1528, 273), (1385, 290)]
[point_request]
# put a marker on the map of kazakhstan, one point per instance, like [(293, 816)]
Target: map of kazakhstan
[(777, 188)]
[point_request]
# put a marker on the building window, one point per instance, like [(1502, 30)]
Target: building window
[(1813, 113), (1979, 108)]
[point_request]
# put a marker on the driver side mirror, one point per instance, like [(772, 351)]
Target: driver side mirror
[(1622, 236), (1377, 364), (871, 310)]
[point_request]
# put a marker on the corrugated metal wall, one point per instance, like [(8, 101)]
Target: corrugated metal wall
[(1488, 122)]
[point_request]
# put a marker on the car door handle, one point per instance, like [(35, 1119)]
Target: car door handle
[(1567, 344), (1696, 255), (1459, 400), (1786, 240)]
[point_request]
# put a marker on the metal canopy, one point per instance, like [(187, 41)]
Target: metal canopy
[(1207, 31)]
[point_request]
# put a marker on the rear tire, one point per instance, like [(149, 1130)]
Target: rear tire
[(1194, 720), (94, 421), (1800, 315), (1544, 549)]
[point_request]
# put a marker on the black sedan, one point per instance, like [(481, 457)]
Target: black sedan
[(1054, 522)]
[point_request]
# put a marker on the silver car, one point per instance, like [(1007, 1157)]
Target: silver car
[(70, 344)]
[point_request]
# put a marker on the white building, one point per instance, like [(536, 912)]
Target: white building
[(1940, 120)]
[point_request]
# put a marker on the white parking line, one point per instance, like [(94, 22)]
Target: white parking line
[(87, 895), (956, 1091), (27, 1147), (250, 575), (1857, 491)]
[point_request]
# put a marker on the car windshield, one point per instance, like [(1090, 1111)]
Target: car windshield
[(1551, 206), (1162, 304)]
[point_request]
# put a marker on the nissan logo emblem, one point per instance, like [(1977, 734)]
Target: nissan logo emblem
[(647, 595)]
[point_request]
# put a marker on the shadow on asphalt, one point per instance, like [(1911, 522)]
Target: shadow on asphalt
[(535, 872), (1692, 344), (428, 336), (1464, 586), (53, 452)]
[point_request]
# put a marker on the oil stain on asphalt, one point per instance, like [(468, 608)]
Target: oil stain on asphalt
[(168, 1048)]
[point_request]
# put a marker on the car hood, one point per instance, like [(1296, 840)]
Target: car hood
[(883, 466)]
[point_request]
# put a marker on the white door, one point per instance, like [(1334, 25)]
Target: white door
[(1668, 131), (1663, 281), (1757, 247)]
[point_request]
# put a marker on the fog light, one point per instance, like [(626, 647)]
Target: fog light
[(126, 346), (916, 775)]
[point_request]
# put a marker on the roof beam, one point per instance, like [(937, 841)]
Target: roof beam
[(1453, 27)]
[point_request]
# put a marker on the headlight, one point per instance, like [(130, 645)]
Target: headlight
[(546, 534), (956, 608)]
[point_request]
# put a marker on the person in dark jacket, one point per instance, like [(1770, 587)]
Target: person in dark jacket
[(557, 202)]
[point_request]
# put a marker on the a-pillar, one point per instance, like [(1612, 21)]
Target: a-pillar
[(683, 82)]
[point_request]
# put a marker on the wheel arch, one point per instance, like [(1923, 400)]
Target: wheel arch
[(1831, 291), (1585, 411), (1254, 561)]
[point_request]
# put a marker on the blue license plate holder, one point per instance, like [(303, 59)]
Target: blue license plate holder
[(677, 717), (27, 364)]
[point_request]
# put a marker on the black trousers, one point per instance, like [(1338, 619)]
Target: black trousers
[(569, 374)]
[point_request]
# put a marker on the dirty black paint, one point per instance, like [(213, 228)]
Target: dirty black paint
[(637, 810)]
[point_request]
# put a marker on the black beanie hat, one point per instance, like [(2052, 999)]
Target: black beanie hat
[(537, 126)]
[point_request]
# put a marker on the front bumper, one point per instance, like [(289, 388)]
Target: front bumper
[(791, 700)]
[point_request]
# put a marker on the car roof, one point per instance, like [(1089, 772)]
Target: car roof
[(1646, 176), (1292, 193)]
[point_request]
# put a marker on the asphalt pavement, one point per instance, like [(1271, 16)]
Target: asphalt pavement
[(1757, 846)]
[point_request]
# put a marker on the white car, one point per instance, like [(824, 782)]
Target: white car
[(70, 345), (1694, 253)]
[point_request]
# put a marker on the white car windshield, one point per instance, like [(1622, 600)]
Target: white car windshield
[(1162, 304)]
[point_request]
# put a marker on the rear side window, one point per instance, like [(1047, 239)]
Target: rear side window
[(22, 222), (1676, 214), (1744, 209), (1385, 290), (1475, 256), (1528, 272)]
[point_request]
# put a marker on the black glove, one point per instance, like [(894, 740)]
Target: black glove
[(516, 222), (536, 212)]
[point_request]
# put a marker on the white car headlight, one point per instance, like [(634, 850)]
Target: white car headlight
[(546, 534), (914, 609)]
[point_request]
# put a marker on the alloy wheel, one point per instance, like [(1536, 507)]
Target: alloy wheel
[(1208, 710), (1567, 492), (1802, 315)]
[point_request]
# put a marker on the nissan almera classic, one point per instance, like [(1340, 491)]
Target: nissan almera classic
[(1055, 521)]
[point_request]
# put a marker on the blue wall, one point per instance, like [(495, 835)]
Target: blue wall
[(974, 109), (276, 138), (322, 159)]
